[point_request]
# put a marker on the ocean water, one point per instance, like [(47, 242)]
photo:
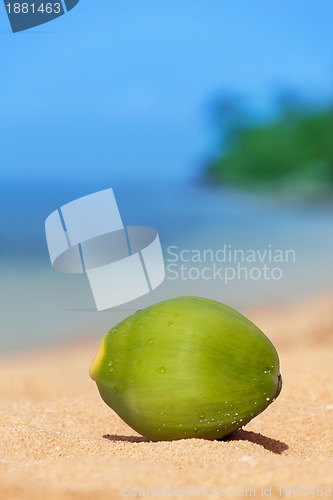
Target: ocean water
[(228, 246)]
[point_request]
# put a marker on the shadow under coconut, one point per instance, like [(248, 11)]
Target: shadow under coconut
[(128, 439), (269, 444)]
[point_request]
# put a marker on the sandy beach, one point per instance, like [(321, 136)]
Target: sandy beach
[(59, 440)]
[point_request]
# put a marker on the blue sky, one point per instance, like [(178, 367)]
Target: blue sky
[(121, 89)]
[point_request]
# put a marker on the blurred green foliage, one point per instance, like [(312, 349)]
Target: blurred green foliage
[(292, 155)]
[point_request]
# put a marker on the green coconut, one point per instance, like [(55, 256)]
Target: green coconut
[(187, 367)]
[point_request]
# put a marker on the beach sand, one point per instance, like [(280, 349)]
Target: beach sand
[(59, 440)]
